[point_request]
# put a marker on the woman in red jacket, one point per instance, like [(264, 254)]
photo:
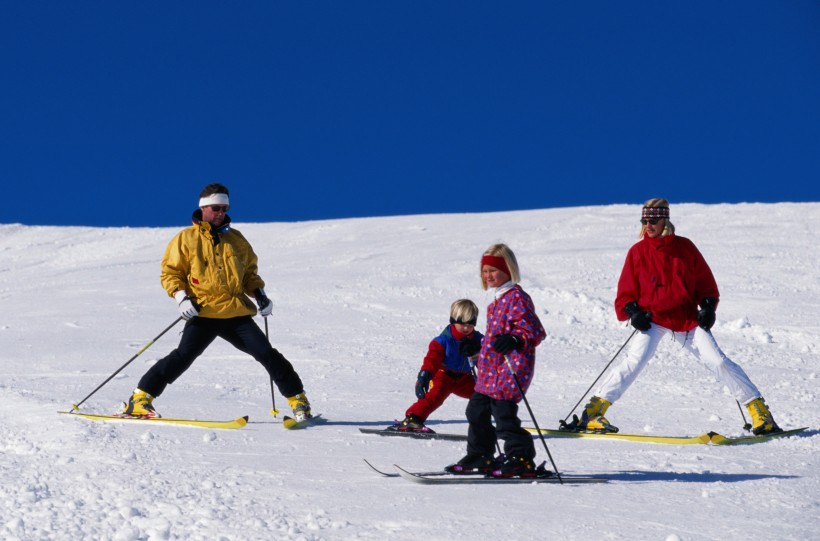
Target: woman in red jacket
[(664, 280)]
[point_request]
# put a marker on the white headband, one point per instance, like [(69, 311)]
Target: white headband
[(214, 199)]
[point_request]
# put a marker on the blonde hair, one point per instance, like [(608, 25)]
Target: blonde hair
[(503, 251), (668, 227), (464, 310)]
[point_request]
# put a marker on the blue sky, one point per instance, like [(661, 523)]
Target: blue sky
[(117, 113)]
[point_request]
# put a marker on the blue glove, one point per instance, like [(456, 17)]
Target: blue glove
[(423, 383)]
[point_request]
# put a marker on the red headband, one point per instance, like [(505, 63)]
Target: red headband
[(497, 262)]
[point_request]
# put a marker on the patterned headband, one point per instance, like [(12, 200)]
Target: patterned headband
[(655, 212)]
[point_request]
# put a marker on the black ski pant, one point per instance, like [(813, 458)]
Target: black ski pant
[(482, 435), (241, 332)]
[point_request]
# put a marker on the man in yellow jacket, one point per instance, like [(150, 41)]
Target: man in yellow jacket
[(210, 269)]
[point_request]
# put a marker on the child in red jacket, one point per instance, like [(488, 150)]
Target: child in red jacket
[(445, 370)]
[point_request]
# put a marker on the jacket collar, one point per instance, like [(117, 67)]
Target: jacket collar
[(503, 288), (659, 242), (457, 335), (196, 218), (207, 228)]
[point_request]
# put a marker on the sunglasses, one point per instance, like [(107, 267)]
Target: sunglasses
[(652, 221), (219, 208)]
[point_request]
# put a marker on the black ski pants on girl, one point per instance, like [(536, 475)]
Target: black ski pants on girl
[(241, 332), (481, 435)]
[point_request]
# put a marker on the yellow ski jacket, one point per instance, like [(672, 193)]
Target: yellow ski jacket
[(219, 270)]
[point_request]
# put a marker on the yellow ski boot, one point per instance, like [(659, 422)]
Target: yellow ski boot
[(762, 420), (139, 405), (300, 406), (593, 420)]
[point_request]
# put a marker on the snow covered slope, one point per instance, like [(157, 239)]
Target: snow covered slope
[(357, 302)]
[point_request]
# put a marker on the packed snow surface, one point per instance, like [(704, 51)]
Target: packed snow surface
[(357, 302)]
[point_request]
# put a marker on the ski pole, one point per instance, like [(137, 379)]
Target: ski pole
[(76, 406), (273, 410), (564, 422), (532, 416), (746, 425)]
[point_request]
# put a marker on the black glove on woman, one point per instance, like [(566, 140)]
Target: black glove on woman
[(640, 320), (706, 314)]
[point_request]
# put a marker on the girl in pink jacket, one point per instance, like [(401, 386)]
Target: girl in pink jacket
[(513, 332)]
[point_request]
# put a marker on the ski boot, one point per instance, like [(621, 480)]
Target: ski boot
[(139, 405), (516, 466), (472, 463), (592, 418), (300, 406), (411, 423), (762, 419)]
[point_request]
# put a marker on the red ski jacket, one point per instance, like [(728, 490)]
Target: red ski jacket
[(669, 277)]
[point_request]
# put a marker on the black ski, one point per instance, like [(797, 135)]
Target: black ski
[(427, 435), (387, 474), (476, 479)]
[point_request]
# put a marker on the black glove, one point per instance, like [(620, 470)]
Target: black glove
[(706, 314), (423, 383), (265, 305), (507, 343), (469, 347), (640, 320)]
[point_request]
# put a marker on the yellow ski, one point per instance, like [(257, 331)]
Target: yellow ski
[(292, 424), (718, 439), (239, 422), (646, 438)]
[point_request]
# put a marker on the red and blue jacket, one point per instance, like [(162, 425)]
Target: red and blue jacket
[(443, 354), (514, 313)]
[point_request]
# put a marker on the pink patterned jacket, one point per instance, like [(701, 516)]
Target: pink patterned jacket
[(514, 313)]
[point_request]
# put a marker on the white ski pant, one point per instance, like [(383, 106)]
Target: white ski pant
[(699, 342)]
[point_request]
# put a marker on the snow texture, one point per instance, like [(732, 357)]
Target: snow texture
[(357, 302)]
